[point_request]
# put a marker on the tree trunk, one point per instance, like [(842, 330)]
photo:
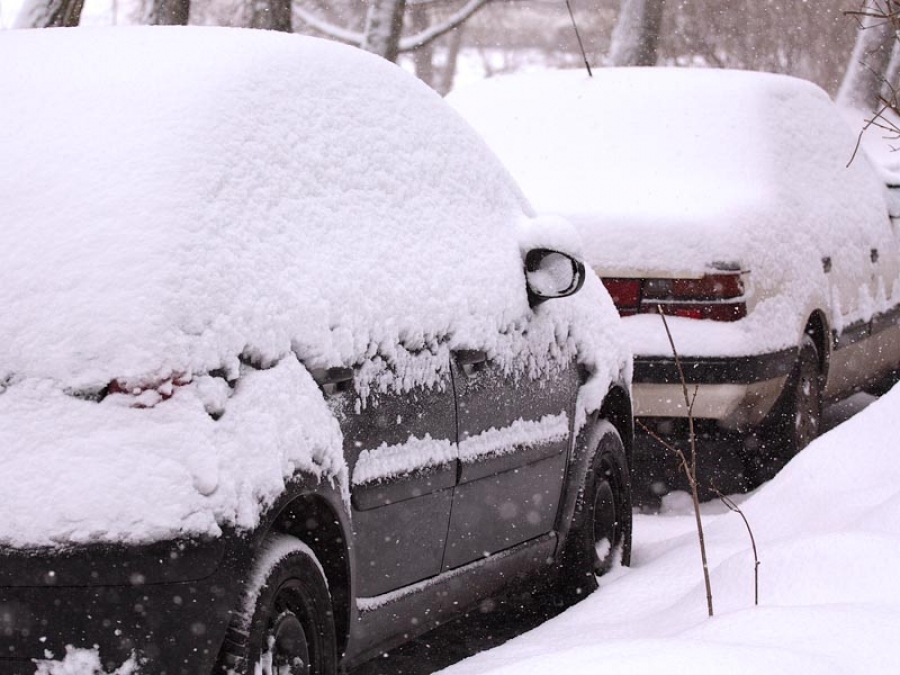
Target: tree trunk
[(448, 71), (866, 73), (423, 57), (49, 13), (168, 12), (384, 25), (635, 37), (889, 89), (271, 15)]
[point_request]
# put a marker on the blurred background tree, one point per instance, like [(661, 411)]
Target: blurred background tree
[(454, 41)]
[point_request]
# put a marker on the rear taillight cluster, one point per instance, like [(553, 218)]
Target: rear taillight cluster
[(718, 296), (148, 395)]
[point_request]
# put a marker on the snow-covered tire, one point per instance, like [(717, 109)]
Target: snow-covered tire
[(601, 525), (796, 420), (285, 625)]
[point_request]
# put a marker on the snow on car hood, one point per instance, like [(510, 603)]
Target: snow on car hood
[(669, 171), (179, 203)]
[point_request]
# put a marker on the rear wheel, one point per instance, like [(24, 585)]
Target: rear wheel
[(796, 420), (601, 528), (286, 625)]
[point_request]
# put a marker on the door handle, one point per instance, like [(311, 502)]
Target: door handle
[(873, 255), (471, 360), (332, 380)]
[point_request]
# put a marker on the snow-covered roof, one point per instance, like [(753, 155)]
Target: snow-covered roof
[(645, 148), (172, 198), (178, 200), (629, 141)]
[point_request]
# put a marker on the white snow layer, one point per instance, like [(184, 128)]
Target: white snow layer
[(669, 172), (417, 454), (82, 662), (179, 200), (828, 534)]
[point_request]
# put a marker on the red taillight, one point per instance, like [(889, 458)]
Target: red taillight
[(625, 293), (708, 287), (148, 395), (717, 297)]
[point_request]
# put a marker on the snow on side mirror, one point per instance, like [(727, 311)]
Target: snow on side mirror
[(551, 274)]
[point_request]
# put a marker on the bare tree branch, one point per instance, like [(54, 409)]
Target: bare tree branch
[(349, 37), (434, 32), (862, 83), (732, 506), (689, 402)]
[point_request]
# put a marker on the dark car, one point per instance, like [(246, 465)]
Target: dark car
[(289, 370)]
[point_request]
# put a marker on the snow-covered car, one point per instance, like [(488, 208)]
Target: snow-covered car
[(289, 370), (725, 201)]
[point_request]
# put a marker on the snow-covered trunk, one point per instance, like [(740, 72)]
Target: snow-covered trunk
[(447, 73), (636, 35), (423, 57), (271, 15), (866, 72), (49, 13), (168, 12), (384, 25), (892, 78)]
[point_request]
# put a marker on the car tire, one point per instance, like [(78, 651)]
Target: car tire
[(796, 419), (285, 625), (601, 525)]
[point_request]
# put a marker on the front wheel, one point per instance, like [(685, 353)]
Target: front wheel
[(285, 626), (601, 527)]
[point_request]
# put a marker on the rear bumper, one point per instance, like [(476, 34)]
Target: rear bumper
[(737, 391)]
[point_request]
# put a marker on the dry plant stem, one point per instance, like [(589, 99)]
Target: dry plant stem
[(732, 506), (692, 477)]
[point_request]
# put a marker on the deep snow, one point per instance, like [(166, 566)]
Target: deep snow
[(828, 532)]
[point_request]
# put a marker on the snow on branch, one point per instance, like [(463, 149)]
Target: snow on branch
[(48, 14), (433, 32), (329, 29)]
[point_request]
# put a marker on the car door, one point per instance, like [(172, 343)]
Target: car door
[(514, 433), (885, 349), (402, 456), (862, 282)]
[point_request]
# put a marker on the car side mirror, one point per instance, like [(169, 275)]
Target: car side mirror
[(550, 274)]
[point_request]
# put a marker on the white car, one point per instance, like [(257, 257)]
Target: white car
[(724, 200), (289, 370)]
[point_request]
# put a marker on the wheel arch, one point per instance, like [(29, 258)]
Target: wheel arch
[(616, 409), (818, 330), (313, 520)]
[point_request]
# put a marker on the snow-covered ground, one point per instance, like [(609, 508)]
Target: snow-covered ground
[(828, 533)]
